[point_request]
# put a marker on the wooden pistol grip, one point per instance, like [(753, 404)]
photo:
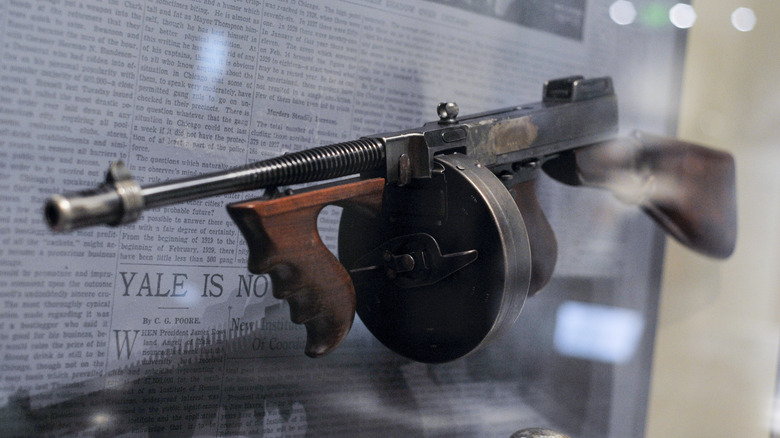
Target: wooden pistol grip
[(283, 242), (689, 190), (544, 245)]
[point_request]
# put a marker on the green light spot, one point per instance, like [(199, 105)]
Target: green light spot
[(655, 15)]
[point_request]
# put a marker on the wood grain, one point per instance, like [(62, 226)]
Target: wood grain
[(284, 243), (688, 189)]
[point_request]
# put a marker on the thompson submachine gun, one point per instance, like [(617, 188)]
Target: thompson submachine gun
[(442, 236)]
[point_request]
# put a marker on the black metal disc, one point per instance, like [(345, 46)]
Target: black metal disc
[(464, 208)]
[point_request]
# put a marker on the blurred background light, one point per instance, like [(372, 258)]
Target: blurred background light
[(775, 426), (622, 12), (101, 420), (597, 332), (655, 15), (682, 15), (743, 19)]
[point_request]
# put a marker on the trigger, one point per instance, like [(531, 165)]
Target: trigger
[(413, 260)]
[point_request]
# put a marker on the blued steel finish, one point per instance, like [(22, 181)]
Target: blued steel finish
[(574, 113), (117, 201), (537, 432), (104, 204), (448, 263), (471, 302)]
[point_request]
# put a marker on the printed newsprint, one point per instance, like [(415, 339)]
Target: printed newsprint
[(157, 327)]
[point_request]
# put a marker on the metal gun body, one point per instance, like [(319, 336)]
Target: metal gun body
[(505, 140), (448, 210)]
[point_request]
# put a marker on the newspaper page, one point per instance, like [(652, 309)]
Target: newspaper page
[(158, 328)]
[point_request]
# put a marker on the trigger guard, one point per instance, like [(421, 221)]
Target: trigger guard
[(465, 207)]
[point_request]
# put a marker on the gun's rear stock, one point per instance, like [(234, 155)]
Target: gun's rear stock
[(689, 190)]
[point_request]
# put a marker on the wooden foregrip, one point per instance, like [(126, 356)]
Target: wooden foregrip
[(544, 245), (284, 243), (689, 190)]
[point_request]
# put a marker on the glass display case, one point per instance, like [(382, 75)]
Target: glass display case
[(157, 328)]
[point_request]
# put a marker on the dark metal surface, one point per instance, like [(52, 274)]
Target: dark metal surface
[(584, 112), (464, 207), (537, 432), (105, 204)]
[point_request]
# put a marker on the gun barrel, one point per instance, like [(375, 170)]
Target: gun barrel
[(120, 200)]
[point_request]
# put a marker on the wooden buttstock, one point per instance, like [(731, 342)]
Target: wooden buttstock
[(283, 242), (689, 190)]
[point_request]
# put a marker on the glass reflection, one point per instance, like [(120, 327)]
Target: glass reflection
[(101, 420), (597, 332), (682, 16), (212, 56), (743, 19), (622, 12)]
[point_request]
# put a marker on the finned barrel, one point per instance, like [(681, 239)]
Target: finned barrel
[(121, 200)]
